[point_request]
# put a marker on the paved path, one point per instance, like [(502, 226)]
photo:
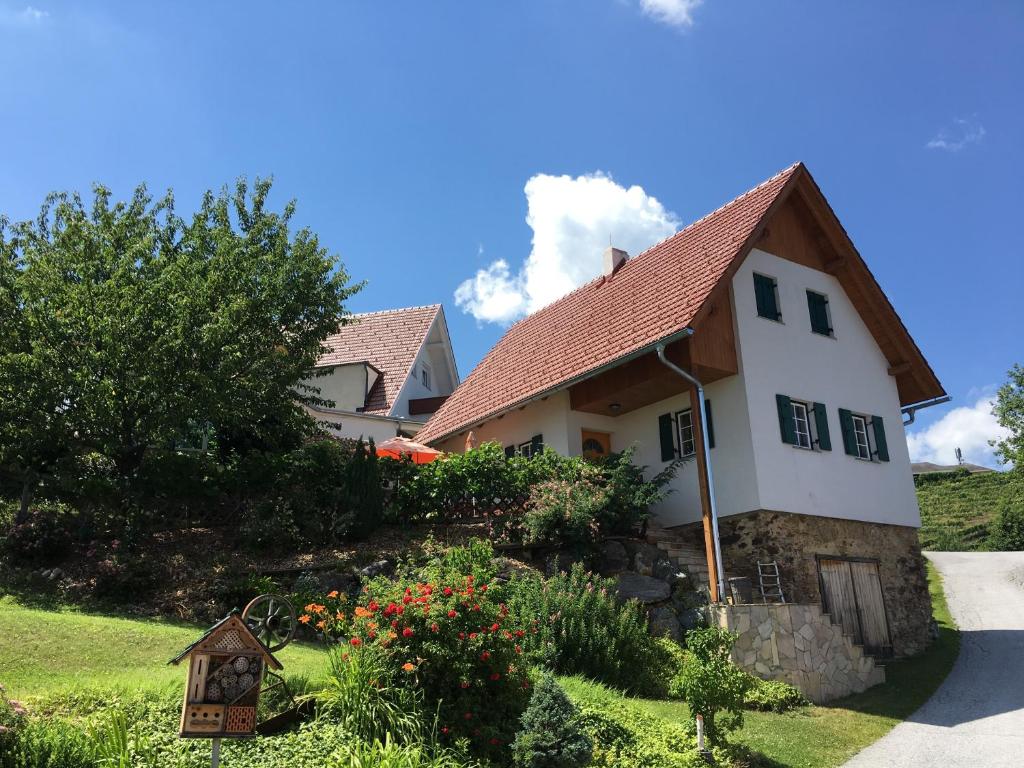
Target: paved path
[(976, 718)]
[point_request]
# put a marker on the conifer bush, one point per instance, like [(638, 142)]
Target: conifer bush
[(551, 735)]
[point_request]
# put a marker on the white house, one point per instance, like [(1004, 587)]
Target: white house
[(807, 372), (385, 373)]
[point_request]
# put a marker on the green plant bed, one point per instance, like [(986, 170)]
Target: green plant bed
[(825, 736), (45, 652), (957, 509)]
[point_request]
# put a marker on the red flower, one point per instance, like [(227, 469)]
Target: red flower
[(356, 642), (464, 684), (483, 587), (426, 609), (390, 609), (519, 633), (494, 742), (407, 632), (519, 649), (444, 730), (476, 607), (447, 591), (434, 627), (494, 627), (373, 606), (406, 600), (472, 635), (485, 655), (394, 623), (526, 683), (468, 716), (496, 676), (399, 609), (372, 634), (462, 635), (452, 613)]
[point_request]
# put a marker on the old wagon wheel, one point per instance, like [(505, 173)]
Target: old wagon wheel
[(272, 619)]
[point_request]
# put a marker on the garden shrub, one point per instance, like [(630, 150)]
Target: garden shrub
[(44, 538), (122, 576), (1007, 530), (551, 736), (773, 696), (578, 626), (366, 696), (561, 511), (452, 640), (711, 684)]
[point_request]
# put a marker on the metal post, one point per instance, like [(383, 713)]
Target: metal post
[(215, 757)]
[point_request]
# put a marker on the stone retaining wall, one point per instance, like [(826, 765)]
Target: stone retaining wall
[(800, 645), (794, 540)]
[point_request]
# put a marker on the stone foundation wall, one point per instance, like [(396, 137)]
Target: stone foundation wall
[(797, 644), (794, 541)]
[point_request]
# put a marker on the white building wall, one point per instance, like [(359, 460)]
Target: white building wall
[(436, 354), (357, 425), (345, 385), (543, 417), (848, 371)]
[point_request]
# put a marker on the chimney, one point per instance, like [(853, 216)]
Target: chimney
[(613, 259)]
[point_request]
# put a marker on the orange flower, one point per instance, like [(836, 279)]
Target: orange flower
[(371, 624), (305, 618), (339, 616), (408, 667), (321, 624), (333, 593), (362, 613)]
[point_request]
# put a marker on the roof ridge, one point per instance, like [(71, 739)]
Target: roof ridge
[(633, 259), (398, 309)]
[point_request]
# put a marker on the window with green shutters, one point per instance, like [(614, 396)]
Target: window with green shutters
[(676, 433), (767, 296), (817, 305), (802, 424), (863, 436)]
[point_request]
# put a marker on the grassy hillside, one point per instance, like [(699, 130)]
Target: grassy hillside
[(46, 652), (956, 508)]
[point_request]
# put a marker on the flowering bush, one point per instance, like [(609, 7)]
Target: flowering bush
[(450, 639), (44, 538), (565, 511), (12, 717)]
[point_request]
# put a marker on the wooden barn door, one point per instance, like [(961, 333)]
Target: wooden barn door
[(852, 593)]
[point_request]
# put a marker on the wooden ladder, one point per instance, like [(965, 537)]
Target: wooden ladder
[(770, 581)]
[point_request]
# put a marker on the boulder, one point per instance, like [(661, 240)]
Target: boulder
[(379, 568), (644, 558), (668, 572), (642, 588), (665, 623), (614, 558)]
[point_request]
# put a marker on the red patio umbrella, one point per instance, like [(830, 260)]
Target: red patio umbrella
[(397, 447)]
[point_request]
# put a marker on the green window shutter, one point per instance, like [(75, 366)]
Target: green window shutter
[(666, 431), (821, 424), (846, 425), (510, 451), (786, 425), (764, 294), (817, 305), (711, 424), (536, 445), (881, 447)]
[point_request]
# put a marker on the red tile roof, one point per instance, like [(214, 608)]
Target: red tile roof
[(650, 297), (387, 340)]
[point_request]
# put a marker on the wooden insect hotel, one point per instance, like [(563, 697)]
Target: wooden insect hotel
[(227, 666)]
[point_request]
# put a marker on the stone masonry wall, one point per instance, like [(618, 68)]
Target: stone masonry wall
[(797, 644), (794, 541)]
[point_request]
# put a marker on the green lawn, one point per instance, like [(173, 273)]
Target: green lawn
[(956, 509), (822, 737), (50, 651)]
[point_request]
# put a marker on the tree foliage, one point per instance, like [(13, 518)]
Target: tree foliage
[(1009, 412), (127, 327), (551, 735), (711, 684)]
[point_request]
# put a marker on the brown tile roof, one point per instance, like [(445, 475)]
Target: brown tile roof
[(650, 297), (387, 340)]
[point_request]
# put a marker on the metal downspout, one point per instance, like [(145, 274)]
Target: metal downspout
[(910, 411), (707, 461)]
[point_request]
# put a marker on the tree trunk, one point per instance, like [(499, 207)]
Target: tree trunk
[(27, 492)]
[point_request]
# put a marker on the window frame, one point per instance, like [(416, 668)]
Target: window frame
[(864, 420), (688, 412), (831, 332), (425, 377), (775, 297), (795, 404), (525, 449)]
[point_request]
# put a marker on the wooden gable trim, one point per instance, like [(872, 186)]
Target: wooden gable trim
[(915, 383)]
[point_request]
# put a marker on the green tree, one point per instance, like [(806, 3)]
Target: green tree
[(711, 684), (141, 325), (551, 735), (1009, 412)]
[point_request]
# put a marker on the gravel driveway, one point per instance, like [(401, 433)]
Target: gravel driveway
[(976, 718)]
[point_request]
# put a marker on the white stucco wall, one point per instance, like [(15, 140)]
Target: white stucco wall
[(345, 385), (544, 417), (848, 371), (437, 354), (356, 425)]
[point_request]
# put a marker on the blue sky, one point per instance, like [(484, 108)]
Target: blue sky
[(415, 135)]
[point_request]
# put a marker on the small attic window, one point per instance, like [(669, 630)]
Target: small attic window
[(425, 375)]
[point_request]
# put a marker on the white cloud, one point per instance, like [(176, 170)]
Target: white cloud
[(27, 17), (573, 220), (968, 428), (675, 13), (962, 132)]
